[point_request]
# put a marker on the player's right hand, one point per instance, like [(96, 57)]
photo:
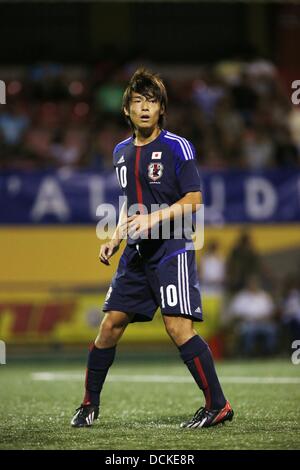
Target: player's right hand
[(107, 251)]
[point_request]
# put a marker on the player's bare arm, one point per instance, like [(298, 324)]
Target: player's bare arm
[(140, 223), (107, 250)]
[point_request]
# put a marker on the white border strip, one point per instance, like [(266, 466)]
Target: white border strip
[(74, 376)]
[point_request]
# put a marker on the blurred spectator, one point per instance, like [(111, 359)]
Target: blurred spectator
[(207, 93), (104, 143), (258, 150), (108, 96), (294, 125), (260, 69), (243, 261), (253, 309), (13, 123), (291, 309), (68, 149), (212, 276), (245, 98), (286, 152), (37, 143), (230, 126), (212, 270), (237, 114)]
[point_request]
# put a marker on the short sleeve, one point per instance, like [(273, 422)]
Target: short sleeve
[(186, 169)]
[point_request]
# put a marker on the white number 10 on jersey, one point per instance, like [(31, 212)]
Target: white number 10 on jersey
[(122, 176)]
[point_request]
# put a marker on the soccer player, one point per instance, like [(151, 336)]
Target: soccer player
[(154, 166)]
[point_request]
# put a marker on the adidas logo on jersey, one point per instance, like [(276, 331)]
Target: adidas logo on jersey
[(121, 160), (198, 310)]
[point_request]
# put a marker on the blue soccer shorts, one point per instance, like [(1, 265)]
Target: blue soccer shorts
[(152, 274)]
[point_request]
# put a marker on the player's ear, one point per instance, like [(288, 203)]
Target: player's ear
[(162, 109), (126, 111)]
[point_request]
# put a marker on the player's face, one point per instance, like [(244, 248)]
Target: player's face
[(144, 112)]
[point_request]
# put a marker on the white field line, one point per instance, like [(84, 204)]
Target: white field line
[(74, 376)]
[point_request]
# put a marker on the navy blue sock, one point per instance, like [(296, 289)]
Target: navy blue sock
[(197, 356), (99, 361)]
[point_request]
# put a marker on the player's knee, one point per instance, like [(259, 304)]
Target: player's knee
[(112, 323), (180, 331), (106, 327), (110, 332)]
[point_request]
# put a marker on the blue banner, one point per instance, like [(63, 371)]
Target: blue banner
[(66, 197)]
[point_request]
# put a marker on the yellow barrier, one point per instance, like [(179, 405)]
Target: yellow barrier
[(46, 272), (69, 255), (35, 318)]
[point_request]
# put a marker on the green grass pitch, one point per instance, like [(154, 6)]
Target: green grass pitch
[(143, 404)]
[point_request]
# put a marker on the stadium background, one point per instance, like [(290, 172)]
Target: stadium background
[(65, 70), (229, 69)]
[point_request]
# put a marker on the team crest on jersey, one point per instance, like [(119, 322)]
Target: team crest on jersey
[(155, 171)]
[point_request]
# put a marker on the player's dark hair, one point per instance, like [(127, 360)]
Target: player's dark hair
[(147, 84)]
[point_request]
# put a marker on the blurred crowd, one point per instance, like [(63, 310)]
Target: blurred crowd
[(238, 115), (259, 309)]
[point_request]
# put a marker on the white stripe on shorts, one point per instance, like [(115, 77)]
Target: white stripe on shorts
[(179, 283), (187, 283)]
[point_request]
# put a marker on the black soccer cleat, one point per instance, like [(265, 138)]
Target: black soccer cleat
[(85, 416), (204, 418)]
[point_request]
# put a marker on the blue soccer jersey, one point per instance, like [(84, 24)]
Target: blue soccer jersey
[(156, 273), (160, 172)]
